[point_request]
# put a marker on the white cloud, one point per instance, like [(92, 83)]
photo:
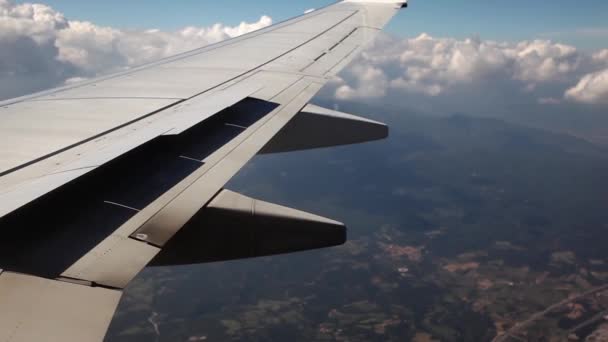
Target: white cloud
[(591, 89), (431, 66), (542, 61), (40, 48), (601, 56), (371, 82), (36, 21)]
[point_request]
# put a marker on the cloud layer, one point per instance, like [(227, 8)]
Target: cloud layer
[(40, 48), (430, 67), (592, 89)]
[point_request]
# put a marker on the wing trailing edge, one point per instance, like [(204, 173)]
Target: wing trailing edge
[(82, 219), (38, 309)]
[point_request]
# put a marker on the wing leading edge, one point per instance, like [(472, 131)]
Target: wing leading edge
[(100, 179)]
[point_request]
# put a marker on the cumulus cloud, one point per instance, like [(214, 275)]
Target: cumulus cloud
[(430, 67), (591, 89), (372, 82), (41, 48), (601, 56)]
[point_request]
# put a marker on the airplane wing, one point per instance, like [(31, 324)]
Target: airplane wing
[(103, 178)]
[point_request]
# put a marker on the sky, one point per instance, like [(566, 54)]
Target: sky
[(583, 23), (543, 63)]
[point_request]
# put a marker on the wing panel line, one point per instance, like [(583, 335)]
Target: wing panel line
[(174, 58), (34, 161), (102, 264), (169, 106)]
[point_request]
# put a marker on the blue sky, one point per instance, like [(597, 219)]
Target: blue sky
[(440, 74), (583, 23)]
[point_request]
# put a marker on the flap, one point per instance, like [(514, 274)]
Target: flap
[(37, 309)]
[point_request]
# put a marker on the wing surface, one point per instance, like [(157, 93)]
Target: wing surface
[(103, 178)]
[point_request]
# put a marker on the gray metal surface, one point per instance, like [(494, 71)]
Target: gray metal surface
[(34, 129), (56, 171), (317, 44), (222, 166), (234, 226), (242, 205), (114, 262), (316, 127), (55, 138), (160, 82), (37, 309), (161, 220)]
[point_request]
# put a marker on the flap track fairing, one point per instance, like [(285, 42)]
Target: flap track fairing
[(234, 226), (316, 127)]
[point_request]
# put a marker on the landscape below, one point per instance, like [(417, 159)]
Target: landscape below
[(459, 229)]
